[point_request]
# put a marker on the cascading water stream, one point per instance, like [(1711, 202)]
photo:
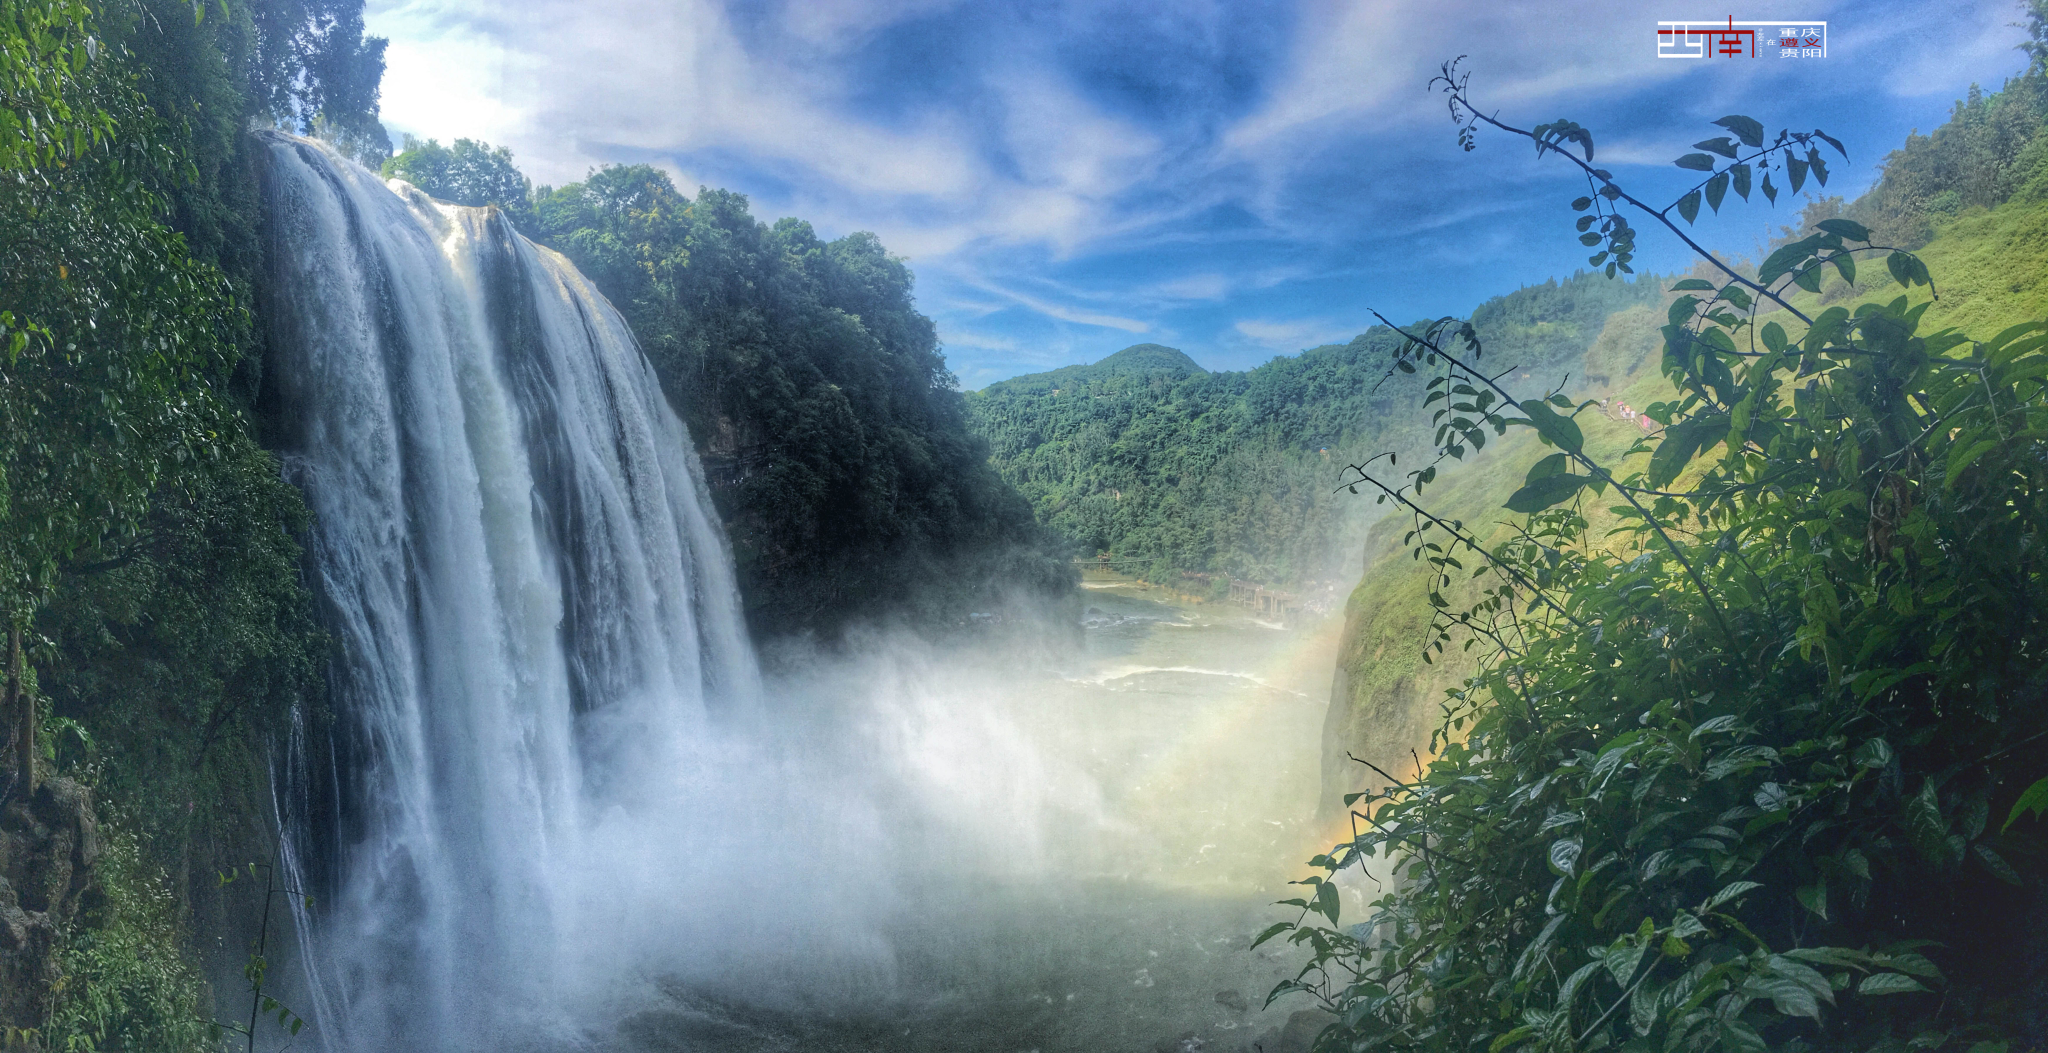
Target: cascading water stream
[(546, 807), (533, 604)]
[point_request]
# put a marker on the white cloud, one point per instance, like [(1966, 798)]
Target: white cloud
[(1291, 335), (1208, 285), (1075, 315), (1014, 162)]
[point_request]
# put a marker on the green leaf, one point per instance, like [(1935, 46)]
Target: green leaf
[(1563, 432), (1746, 129), (1691, 284), (1847, 228), (2034, 800), (1784, 260), (1875, 753), (1814, 897), (1272, 930), (1555, 464), (1961, 456), (1717, 188), (1682, 442), (1789, 996), (1728, 892), (1722, 145), (1798, 170), (1564, 854), (1326, 901), (1689, 206), (1996, 863), (1901, 266), (1522, 1033), (1889, 984), (1770, 192), (1925, 825), (1907, 961), (1836, 956), (1696, 162), (1741, 174), (1545, 492)]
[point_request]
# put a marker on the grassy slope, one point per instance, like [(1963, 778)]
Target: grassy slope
[(1384, 696), (1991, 268)]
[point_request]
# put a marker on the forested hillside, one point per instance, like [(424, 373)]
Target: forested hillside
[(830, 429), (1214, 476), (158, 633)]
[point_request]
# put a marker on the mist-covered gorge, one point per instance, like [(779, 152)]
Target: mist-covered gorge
[(559, 807)]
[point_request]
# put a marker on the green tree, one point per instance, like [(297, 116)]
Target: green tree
[(313, 71), (833, 436), (1747, 762), (468, 173), (148, 567), (1214, 476)]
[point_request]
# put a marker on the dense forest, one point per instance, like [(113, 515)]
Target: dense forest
[(158, 630), (1210, 477), (834, 437)]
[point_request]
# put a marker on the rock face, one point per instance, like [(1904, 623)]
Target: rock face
[(47, 847)]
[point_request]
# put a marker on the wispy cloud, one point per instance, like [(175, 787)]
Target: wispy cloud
[(1295, 334), (1066, 176)]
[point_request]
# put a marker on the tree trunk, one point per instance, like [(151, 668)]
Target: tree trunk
[(22, 708)]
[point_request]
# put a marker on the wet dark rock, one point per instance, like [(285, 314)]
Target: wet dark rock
[(48, 844)]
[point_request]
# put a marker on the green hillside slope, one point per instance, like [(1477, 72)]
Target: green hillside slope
[(1208, 477), (1990, 269)]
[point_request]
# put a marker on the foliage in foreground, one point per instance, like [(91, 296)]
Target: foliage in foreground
[(147, 556), (1758, 765), (124, 984)]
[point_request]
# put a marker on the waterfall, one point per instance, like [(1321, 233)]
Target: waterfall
[(532, 602)]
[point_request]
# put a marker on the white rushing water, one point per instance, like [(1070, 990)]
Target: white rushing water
[(533, 601), (550, 805)]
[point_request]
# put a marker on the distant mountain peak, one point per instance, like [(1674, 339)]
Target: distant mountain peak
[(1148, 357)]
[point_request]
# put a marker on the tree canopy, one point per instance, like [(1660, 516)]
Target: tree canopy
[(833, 436), (467, 173)]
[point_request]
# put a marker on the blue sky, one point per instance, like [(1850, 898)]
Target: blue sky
[(1236, 179)]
